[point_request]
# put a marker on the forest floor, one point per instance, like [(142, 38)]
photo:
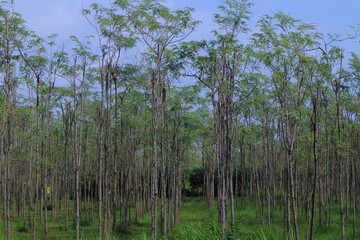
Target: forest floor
[(196, 223)]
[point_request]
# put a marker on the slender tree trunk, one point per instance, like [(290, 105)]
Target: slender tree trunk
[(315, 158), (6, 127), (154, 175), (100, 165)]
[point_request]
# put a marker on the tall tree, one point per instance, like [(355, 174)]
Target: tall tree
[(220, 69), (114, 36), (282, 42), (159, 27), (12, 32)]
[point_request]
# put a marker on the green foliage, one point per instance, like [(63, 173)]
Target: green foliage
[(159, 26), (234, 19), (271, 89), (193, 181)]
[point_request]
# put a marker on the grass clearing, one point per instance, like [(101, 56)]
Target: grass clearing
[(196, 223)]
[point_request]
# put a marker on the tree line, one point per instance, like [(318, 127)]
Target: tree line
[(105, 135)]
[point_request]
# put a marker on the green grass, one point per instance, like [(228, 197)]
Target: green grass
[(196, 223)]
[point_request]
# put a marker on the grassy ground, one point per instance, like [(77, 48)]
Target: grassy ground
[(196, 223)]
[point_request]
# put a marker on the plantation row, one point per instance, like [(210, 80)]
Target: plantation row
[(116, 134)]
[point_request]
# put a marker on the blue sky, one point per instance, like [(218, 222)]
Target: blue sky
[(63, 16)]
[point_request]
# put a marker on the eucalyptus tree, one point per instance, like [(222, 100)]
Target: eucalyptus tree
[(325, 79), (42, 61), (347, 147), (315, 72), (158, 27), (343, 87), (184, 125), (53, 58), (76, 72), (127, 105), (8, 90), (354, 118), (38, 72), (333, 57), (205, 137), (282, 43), (220, 65), (13, 32), (65, 93), (33, 69), (114, 37), (254, 119), (231, 23), (268, 119)]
